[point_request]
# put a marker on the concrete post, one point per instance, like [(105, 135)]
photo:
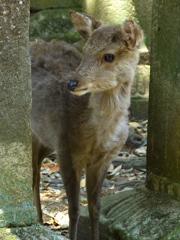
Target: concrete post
[(16, 205)]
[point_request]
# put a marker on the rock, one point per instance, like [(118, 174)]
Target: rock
[(134, 140), (46, 178), (58, 238), (133, 162), (140, 152), (107, 183), (140, 93), (35, 232), (43, 238), (134, 215), (139, 108), (129, 184), (53, 24), (52, 156), (56, 183), (141, 82), (57, 175), (47, 160)]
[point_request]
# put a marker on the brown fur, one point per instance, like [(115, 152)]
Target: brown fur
[(86, 130)]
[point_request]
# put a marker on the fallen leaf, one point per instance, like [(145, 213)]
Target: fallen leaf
[(111, 174), (133, 124), (111, 188), (83, 183), (55, 168), (111, 168)]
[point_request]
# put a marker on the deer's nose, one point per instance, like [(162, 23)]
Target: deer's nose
[(71, 85)]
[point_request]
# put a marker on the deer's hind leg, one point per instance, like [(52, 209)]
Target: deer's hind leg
[(39, 152), (94, 180)]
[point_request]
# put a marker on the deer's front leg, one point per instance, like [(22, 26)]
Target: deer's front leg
[(94, 180), (71, 180)]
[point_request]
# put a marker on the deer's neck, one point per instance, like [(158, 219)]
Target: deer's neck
[(108, 117), (109, 104)]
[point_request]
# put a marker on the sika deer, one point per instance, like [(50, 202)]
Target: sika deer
[(80, 107)]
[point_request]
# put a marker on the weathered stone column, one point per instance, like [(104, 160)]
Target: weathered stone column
[(116, 11), (163, 156), (16, 205)]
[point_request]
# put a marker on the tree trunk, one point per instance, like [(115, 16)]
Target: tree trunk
[(163, 155)]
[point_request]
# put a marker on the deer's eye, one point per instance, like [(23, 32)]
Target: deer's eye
[(109, 57)]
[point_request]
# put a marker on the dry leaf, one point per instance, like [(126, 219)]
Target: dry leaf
[(111, 188), (83, 183)]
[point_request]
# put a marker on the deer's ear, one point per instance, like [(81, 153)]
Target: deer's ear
[(132, 33), (84, 24)]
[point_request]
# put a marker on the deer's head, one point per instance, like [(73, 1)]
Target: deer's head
[(110, 54)]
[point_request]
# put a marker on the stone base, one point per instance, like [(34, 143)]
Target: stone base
[(17, 216), (34, 232), (162, 184), (139, 108), (138, 214)]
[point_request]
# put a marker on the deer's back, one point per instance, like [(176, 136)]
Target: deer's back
[(55, 111)]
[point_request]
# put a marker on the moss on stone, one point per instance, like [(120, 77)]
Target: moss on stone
[(53, 24), (139, 214), (47, 4), (5, 234), (34, 232)]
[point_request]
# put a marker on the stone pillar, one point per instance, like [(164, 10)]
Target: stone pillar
[(163, 155), (143, 11), (116, 11), (16, 205), (110, 11)]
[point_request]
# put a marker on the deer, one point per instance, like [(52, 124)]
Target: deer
[(80, 107)]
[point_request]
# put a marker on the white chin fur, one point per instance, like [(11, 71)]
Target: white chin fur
[(79, 93)]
